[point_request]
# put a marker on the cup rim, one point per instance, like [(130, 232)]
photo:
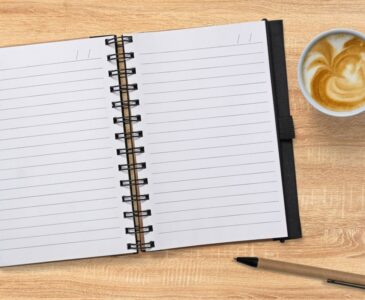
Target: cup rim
[(303, 89)]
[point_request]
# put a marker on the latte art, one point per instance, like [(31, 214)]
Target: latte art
[(334, 72)]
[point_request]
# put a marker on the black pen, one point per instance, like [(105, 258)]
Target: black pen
[(332, 276)]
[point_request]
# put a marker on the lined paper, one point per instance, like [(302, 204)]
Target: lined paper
[(209, 135), (60, 196)]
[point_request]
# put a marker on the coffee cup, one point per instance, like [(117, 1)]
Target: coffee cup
[(331, 72)]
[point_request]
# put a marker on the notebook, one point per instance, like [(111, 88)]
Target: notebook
[(144, 142)]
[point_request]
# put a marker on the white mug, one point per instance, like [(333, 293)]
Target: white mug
[(306, 94)]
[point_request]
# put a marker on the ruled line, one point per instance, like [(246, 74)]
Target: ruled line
[(214, 187), (49, 64), (204, 108), (210, 157), (51, 104), (48, 74), (204, 98), (212, 167), (51, 83), (214, 147), (213, 207), (202, 78), (56, 214), (224, 226), (204, 88), (211, 137), (60, 143), (59, 233), (54, 153), (60, 223), (199, 58), (57, 173), (56, 93), (56, 244), (55, 123), (56, 183), (209, 127), (57, 163), (219, 217), (206, 118), (54, 133), (201, 48), (216, 197), (204, 68), (213, 177), (62, 193), (56, 204), (53, 114)]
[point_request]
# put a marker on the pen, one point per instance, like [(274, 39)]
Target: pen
[(331, 276)]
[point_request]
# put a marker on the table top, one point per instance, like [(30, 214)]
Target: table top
[(329, 156)]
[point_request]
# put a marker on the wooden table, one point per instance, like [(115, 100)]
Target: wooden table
[(330, 161)]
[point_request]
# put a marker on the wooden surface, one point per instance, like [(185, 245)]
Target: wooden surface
[(330, 161)]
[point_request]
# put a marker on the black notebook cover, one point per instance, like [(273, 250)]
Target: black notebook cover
[(285, 125)]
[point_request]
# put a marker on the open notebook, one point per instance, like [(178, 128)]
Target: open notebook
[(147, 142)]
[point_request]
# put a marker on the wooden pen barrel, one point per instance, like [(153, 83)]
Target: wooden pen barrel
[(303, 270)]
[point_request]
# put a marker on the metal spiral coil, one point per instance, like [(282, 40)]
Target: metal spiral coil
[(126, 119), (141, 246), (143, 229)]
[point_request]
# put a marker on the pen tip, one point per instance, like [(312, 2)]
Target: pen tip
[(249, 261)]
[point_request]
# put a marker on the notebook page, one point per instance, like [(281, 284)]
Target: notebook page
[(209, 135), (59, 182)]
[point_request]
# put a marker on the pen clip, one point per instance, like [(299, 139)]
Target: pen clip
[(355, 285)]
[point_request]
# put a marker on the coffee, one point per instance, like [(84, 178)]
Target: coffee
[(334, 72)]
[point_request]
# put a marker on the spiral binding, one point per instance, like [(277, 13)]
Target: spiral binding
[(141, 246), (125, 104), (128, 120), (128, 151), (130, 182), (113, 73), (145, 213), (143, 229), (118, 41), (136, 198), (128, 87), (136, 166), (134, 134)]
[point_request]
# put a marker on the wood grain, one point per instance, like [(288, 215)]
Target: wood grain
[(330, 161)]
